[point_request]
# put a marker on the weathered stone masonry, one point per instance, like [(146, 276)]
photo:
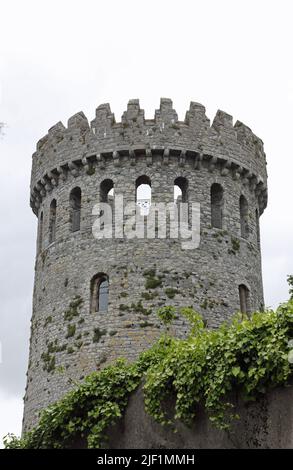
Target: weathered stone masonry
[(68, 339)]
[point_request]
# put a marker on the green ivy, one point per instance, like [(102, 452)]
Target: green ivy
[(167, 314), (250, 354)]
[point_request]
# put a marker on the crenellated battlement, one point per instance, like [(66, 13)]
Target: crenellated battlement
[(82, 144)]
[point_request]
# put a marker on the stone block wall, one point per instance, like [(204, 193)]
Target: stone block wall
[(264, 424)]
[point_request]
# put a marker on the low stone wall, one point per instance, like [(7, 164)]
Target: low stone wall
[(266, 423)]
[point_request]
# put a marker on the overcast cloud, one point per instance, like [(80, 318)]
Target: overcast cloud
[(60, 57)]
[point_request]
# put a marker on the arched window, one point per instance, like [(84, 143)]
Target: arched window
[(75, 209), (257, 227), (107, 191), (243, 207), (217, 202), (180, 190), (143, 194), (52, 221), (40, 234), (244, 298), (99, 293)]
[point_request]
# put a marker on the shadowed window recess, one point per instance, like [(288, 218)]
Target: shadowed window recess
[(40, 233), (244, 298), (243, 207), (75, 209), (217, 203), (52, 221), (180, 190), (107, 191)]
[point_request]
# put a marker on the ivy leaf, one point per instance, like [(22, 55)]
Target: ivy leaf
[(236, 371)]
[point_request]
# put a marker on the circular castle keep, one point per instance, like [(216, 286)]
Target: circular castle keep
[(95, 300)]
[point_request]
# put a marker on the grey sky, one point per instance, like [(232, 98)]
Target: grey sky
[(60, 57)]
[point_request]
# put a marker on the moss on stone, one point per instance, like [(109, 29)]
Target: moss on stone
[(47, 320), (98, 334), (149, 295), (139, 308), (91, 171), (170, 292), (73, 309), (235, 244), (145, 324), (71, 328), (124, 308), (153, 283)]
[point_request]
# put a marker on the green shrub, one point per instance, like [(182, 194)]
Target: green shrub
[(250, 354), (166, 314)]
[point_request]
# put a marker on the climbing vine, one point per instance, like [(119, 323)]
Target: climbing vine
[(249, 354)]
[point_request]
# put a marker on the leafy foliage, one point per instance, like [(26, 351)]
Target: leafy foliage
[(167, 314), (249, 354), (87, 410)]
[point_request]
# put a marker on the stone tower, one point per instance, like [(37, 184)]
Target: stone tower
[(95, 300)]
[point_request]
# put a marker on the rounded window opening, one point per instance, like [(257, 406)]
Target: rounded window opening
[(99, 293), (143, 194), (107, 191), (75, 209), (180, 190), (217, 202)]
